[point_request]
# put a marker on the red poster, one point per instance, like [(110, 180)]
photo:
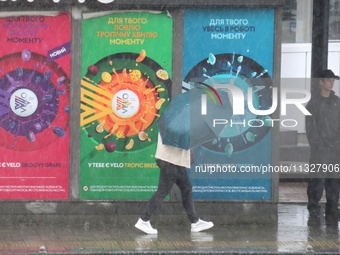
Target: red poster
[(34, 106)]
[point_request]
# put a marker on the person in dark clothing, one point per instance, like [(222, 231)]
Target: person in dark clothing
[(323, 134), (172, 162)]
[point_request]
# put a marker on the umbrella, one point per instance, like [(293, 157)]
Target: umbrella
[(183, 125)]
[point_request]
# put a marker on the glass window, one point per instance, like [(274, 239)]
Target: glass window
[(297, 21), (334, 20), (289, 22)]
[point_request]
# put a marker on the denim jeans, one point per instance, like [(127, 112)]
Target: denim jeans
[(171, 174)]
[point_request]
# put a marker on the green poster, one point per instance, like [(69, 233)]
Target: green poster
[(125, 86)]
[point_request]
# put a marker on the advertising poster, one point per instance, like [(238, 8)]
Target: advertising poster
[(232, 50), (125, 85), (34, 106)]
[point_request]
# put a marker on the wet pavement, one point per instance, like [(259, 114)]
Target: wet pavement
[(292, 234)]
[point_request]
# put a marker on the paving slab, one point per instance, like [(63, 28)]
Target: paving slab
[(291, 234)]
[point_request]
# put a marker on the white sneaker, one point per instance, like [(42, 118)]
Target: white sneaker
[(201, 225), (146, 227)]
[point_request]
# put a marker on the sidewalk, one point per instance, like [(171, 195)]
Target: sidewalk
[(291, 235)]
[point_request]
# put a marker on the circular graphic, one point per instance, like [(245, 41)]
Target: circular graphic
[(34, 102), (132, 95), (125, 103), (242, 131), (23, 102)]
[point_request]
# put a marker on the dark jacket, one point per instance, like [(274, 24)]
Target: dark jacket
[(323, 128)]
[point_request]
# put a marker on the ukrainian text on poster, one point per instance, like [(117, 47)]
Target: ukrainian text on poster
[(125, 87), (232, 50), (35, 106)]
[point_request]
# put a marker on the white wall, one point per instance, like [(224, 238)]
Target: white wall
[(296, 73)]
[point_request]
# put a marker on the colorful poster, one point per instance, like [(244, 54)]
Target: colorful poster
[(126, 79), (34, 106), (232, 50)]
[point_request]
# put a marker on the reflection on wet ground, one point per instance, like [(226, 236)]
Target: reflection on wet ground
[(294, 233)]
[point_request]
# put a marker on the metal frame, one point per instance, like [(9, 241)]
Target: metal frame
[(276, 115), (132, 4), (176, 9)]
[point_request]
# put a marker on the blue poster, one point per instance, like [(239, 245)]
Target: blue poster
[(232, 50)]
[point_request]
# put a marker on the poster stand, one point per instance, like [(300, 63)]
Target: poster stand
[(262, 211)]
